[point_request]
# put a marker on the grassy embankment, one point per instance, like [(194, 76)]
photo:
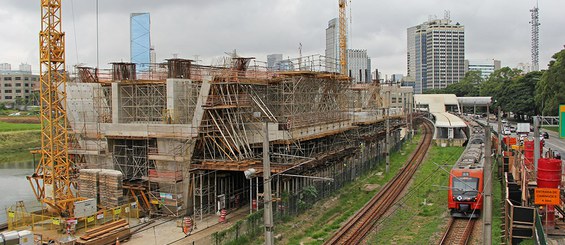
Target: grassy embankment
[(422, 213), (16, 140), (325, 217), (552, 128)]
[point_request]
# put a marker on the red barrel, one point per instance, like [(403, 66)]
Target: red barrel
[(549, 173), (529, 149)]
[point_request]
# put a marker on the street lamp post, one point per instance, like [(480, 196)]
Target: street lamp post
[(268, 206)]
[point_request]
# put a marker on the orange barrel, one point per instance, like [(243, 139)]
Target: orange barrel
[(549, 173)]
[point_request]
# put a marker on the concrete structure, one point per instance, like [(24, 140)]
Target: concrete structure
[(485, 66), (5, 67), (436, 54), (359, 65), (185, 138), (274, 61), (17, 84), (473, 102), (450, 129), (140, 40)]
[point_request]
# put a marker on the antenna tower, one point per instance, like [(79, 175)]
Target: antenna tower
[(535, 38)]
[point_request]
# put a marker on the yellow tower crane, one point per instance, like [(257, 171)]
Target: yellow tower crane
[(51, 181), (342, 38)]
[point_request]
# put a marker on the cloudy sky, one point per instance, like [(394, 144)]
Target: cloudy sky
[(494, 29)]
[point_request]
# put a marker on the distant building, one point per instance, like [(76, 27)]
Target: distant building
[(436, 54), (273, 61), (332, 46), (25, 67), (359, 65), (525, 67), (17, 84), (5, 67), (396, 78), (140, 41), (485, 66)]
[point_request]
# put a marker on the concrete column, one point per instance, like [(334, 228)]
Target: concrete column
[(116, 105)]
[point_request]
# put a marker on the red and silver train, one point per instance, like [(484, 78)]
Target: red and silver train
[(465, 193)]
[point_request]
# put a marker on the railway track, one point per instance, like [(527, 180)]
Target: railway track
[(458, 232), (365, 219)]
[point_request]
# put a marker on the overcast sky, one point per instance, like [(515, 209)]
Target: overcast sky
[(494, 29)]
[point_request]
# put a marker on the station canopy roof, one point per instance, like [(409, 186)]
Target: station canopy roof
[(472, 101), (436, 104)]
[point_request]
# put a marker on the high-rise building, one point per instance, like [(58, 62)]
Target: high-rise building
[(332, 46), (359, 65), (273, 61), (436, 54), (485, 66), (140, 41)]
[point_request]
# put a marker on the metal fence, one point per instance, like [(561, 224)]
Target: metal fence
[(19, 218), (293, 204)]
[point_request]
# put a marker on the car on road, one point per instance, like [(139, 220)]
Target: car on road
[(545, 135), (512, 129)]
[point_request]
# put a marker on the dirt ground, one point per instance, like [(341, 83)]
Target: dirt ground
[(170, 233), (26, 119)]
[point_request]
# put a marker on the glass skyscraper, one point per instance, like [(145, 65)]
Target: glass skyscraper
[(140, 40)]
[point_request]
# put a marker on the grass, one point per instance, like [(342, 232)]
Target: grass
[(496, 205), (325, 217), (5, 126), (552, 128), (422, 212), (15, 146)]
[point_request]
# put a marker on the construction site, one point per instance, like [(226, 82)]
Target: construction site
[(187, 140)]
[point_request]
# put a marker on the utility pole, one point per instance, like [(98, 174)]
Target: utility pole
[(499, 147), (268, 205), (536, 144), (487, 190), (387, 140)]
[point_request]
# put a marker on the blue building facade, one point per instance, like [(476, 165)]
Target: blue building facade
[(140, 41)]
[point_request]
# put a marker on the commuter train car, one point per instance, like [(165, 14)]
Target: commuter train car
[(466, 177)]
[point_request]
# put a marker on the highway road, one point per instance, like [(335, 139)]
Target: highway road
[(554, 142)]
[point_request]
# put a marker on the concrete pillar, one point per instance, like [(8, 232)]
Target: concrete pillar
[(116, 105)]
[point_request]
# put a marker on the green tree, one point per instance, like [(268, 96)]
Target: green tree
[(466, 87), (496, 84), (518, 96), (550, 91)]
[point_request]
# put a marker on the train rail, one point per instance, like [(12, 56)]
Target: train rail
[(365, 219), (458, 232)]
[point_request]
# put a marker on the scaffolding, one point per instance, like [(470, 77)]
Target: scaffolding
[(143, 102)]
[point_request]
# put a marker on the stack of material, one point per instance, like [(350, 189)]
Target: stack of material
[(111, 191), (106, 234), (88, 183)]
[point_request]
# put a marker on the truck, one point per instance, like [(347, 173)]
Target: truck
[(523, 128)]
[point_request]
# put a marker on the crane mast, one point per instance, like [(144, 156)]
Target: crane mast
[(51, 182), (342, 38)]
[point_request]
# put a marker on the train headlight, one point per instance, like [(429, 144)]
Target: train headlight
[(459, 198)]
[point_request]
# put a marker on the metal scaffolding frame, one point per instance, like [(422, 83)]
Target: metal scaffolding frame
[(143, 102)]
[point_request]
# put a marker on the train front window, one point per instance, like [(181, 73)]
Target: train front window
[(465, 186)]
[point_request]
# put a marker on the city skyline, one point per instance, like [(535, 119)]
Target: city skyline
[(257, 28)]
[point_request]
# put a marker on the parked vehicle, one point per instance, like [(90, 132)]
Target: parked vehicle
[(545, 135)]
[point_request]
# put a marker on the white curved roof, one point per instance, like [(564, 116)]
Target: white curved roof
[(448, 120)]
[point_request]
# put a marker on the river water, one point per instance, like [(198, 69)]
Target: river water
[(14, 186)]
